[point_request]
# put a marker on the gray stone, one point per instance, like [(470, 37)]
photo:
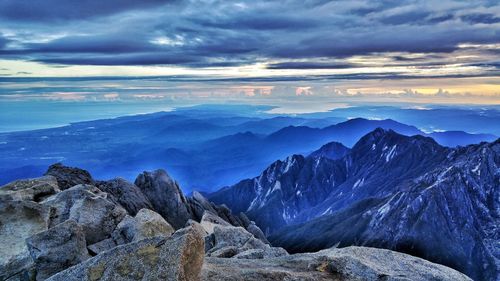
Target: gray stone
[(18, 221), (257, 232), (198, 205), (127, 194), (224, 252), (244, 219), (273, 252), (250, 254), (352, 263), (98, 217), (211, 220), (165, 196), (179, 257), (225, 213), (89, 206), (63, 201), (57, 248), (231, 236), (145, 224), (69, 176), (29, 189), (224, 237), (101, 246)]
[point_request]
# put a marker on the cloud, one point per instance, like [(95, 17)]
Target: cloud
[(259, 21), (57, 10), (311, 65), (298, 35), (3, 41), (481, 18)]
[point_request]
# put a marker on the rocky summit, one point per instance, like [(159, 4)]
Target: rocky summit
[(68, 226)]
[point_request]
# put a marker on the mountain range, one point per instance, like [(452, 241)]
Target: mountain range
[(67, 226), (390, 191), (204, 148)]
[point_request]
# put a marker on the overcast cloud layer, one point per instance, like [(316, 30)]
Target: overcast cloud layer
[(253, 41)]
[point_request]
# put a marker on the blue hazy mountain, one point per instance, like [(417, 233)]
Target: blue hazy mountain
[(391, 191), (429, 118), (204, 147)]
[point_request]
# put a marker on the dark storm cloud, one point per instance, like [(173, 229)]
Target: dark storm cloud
[(226, 33), (52, 10)]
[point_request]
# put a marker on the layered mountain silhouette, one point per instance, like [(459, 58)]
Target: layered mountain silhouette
[(391, 191), (203, 149)]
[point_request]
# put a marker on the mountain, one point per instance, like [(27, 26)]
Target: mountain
[(204, 148), (459, 138), (67, 226), (390, 191), (333, 150)]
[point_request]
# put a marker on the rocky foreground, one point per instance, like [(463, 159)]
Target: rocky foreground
[(68, 226)]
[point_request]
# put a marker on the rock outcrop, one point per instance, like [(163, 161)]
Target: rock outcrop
[(88, 206), (30, 189), (69, 176), (58, 248), (179, 257), (352, 263), (145, 224), (127, 194), (165, 195), (83, 233), (18, 221)]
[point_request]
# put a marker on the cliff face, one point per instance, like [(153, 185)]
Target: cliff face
[(68, 226), (391, 191)]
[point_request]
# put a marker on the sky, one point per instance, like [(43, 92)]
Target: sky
[(429, 51)]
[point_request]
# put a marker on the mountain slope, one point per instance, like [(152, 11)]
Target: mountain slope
[(391, 191), (301, 188), (449, 215)]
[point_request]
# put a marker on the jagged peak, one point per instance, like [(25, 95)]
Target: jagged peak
[(388, 137), (332, 150)]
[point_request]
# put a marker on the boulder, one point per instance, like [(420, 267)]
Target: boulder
[(145, 224), (251, 254), (165, 196), (198, 204), (57, 248), (244, 220), (127, 194), (63, 201), (101, 246), (89, 206), (210, 220), (98, 217), (231, 236), (229, 241), (257, 232), (179, 257), (225, 213), (351, 263), (224, 252), (18, 221), (29, 189), (69, 176)]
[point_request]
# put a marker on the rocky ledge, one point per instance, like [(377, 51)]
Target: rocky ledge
[(68, 226)]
